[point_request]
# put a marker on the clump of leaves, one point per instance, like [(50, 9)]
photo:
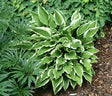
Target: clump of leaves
[(18, 73), (12, 88), (4, 84), (66, 52), (26, 72), (19, 89), (12, 58)]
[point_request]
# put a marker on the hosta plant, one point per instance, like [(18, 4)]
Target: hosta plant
[(66, 52)]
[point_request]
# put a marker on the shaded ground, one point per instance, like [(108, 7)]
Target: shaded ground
[(102, 81)]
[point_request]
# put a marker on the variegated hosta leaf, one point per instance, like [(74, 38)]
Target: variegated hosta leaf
[(92, 50), (94, 61), (36, 46), (92, 24), (87, 71), (67, 44), (78, 79), (87, 64), (42, 31), (73, 83), (63, 39), (36, 37), (75, 14), (88, 77), (55, 37), (57, 73), (56, 53), (91, 32), (70, 55), (43, 15), (75, 43), (72, 75), (48, 43), (44, 44), (75, 23), (59, 18), (68, 67), (65, 83), (94, 57), (78, 70), (64, 18), (87, 41), (76, 18), (56, 84), (86, 54), (36, 19), (89, 45), (50, 74), (58, 88), (60, 61), (46, 60), (44, 50), (83, 28), (52, 22), (58, 67), (41, 81), (80, 49), (59, 46), (44, 75)]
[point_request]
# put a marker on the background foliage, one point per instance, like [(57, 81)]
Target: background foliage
[(99, 10), (17, 70)]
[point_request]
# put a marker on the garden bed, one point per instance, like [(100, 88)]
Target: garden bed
[(56, 48), (102, 81)]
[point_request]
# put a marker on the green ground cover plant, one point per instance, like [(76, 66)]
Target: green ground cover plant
[(17, 70), (17, 73), (23, 7)]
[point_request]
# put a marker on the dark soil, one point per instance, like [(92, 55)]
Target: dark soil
[(102, 82)]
